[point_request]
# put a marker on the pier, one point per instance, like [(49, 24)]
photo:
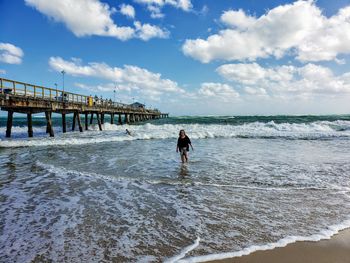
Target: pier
[(29, 99)]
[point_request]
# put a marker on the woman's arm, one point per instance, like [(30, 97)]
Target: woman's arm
[(189, 142)]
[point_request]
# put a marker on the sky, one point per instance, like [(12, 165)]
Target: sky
[(185, 57)]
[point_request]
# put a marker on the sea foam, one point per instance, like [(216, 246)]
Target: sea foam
[(114, 133), (323, 234)]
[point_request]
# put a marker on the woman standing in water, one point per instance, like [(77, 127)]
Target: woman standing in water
[(183, 144)]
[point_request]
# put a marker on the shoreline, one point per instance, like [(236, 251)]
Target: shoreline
[(333, 250)]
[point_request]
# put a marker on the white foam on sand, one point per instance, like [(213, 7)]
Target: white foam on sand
[(323, 234), (184, 251)]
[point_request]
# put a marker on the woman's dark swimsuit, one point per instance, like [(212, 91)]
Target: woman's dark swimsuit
[(183, 144)]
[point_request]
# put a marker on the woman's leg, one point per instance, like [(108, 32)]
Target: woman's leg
[(186, 156), (183, 157)]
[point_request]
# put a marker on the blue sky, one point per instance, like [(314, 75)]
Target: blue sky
[(186, 57)]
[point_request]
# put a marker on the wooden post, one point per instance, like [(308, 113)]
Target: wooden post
[(102, 118), (79, 122), (126, 119), (30, 124), (9, 123), (112, 118), (92, 117), (99, 121), (86, 121), (49, 124), (120, 119), (64, 128), (73, 124)]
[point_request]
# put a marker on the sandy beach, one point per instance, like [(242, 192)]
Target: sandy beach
[(334, 250)]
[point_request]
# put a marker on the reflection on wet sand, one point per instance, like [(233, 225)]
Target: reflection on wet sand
[(183, 172)]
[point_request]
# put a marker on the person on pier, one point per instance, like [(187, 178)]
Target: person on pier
[(183, 145)]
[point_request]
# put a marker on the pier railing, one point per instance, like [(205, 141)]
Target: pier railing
[(17, 88)]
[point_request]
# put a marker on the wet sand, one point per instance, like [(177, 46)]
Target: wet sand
[(334, 250)]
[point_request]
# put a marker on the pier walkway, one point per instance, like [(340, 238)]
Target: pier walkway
[(30, 99)]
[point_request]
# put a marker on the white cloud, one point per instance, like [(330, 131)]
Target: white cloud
[(245, 73), (218, 91), (237, 19), (10, 54), (147, 31), (286, 81), (298, 29), (156, 11), (127, 78), (155, 6), (185, 5), (127, 10), (87, 17), (255, 91), (204, 11), (253, 73), (108, 87)]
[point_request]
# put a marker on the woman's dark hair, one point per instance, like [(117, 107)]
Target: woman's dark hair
[(182, 131)]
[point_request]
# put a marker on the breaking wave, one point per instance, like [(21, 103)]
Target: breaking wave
[(114, 133)]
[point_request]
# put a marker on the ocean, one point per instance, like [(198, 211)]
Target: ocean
[(252, 182)]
